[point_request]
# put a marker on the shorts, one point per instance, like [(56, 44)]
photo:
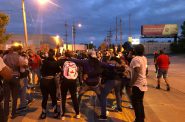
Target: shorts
[(162, 72)]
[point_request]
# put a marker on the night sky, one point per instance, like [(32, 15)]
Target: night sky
[(96, 16)]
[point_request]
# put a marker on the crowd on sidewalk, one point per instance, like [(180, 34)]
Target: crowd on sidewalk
[(98, 71)]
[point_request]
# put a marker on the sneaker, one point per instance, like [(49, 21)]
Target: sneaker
[(57, 115), (43, 115), (130, 106), (78, 116), (14, 116), (63, 117), (102, 117), (158, 87), (168, 88), (30, 101), (107, 112), (118, 109), (22, 108)]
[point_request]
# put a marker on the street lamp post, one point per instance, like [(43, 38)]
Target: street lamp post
[(24, 20), (73, 36), (25, 24)]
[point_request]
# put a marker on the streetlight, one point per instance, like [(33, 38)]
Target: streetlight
[(42, 2), (24, 20)]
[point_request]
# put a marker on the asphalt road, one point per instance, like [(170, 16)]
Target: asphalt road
[(160, 105)]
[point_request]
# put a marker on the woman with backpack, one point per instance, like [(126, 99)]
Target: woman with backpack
[(69, 82)]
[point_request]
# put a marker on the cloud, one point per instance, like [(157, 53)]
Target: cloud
[(96, 16)]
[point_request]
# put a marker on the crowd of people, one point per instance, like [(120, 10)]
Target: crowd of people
[(98, 71)]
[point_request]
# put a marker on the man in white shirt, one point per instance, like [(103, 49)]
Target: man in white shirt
[(138, 82)]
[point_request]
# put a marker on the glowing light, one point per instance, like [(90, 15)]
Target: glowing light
[(42, 2), (16, 44), (79, 25), (57, 39)]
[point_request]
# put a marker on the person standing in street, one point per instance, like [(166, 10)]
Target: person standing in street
[(138, 82), (11, 87), (155, 60), (163, 63), (6, 74), (35, 63), (49, 69), (69, 83)]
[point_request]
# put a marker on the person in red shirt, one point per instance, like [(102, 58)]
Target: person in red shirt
[(35, 64), (163, 63)]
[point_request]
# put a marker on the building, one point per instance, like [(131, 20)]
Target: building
[(151, 47), (35, 41), (41, 42)]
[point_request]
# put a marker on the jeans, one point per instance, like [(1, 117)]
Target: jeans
[(11, 87), (137, 102), (86, 88), (22, 92), (48, 87), (72, 87), (108, 86)]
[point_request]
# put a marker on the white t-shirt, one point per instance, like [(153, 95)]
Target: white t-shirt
[(2, 64), (141, 62)]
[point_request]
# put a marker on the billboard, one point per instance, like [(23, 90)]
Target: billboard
[(162, 30)]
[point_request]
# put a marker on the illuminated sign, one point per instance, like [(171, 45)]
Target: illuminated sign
[(159, 30)]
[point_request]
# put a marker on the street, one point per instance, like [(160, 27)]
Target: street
[(160, 105)]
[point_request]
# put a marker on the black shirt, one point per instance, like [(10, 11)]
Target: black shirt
[(50, 67)]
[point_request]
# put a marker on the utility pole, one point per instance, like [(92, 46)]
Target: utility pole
[(121, 40), (25, 24), (130, 25), (116, 31), (66, 35), (73, 35), (109, 37)]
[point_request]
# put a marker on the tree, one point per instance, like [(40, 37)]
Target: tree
[(183, 30), (180, 46), (4, 20)]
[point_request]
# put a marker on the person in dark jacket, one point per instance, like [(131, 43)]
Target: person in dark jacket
[(112, 80), (49, 69)]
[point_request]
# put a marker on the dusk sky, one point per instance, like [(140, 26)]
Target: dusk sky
[(96, 16)]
